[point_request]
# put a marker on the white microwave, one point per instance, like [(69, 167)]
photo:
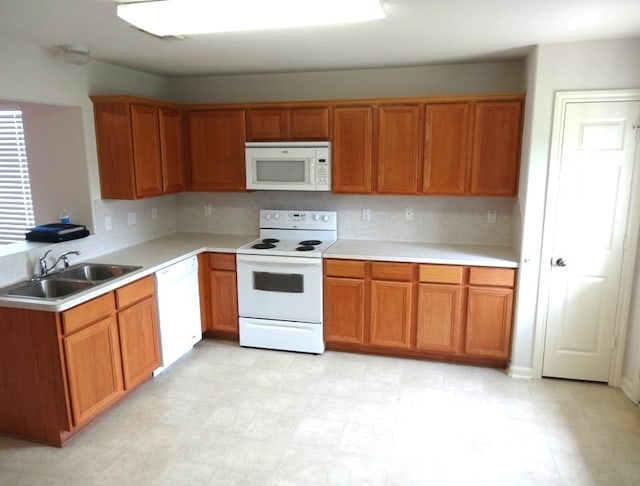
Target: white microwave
[(288, 166)]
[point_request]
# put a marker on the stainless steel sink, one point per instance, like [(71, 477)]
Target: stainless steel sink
[(49, 288), (94, 271), (68, 282)]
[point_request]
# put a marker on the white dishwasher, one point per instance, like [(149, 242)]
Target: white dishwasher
[(178, 310)]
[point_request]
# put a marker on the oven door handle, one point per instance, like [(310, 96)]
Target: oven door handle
[(279, 260)]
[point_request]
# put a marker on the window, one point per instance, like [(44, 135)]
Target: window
[(16, 204)]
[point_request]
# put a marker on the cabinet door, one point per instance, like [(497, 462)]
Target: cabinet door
[(489, 316), (352, 150), (115, 150), (496, 147), (309, 123), (344, 300), (93, 369), (391, 304), (138, 329), (216, 148), (268, 124), (172, 150), (438, 321), (146, 150), (223, 301), (446, 148), (398, 149)]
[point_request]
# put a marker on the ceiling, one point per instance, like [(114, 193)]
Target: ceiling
[(415, 32)]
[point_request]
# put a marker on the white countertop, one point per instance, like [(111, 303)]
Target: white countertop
[(399, 251), (151, 255), (156, 254)]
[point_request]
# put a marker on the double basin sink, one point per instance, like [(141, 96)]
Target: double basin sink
[(67, 282)]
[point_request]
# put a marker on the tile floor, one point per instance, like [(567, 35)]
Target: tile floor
[(226, 415)]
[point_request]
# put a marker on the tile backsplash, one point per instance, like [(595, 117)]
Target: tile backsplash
[(435, 220)]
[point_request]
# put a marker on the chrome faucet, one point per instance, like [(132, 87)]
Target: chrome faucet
[(43, 269), (64, 259)]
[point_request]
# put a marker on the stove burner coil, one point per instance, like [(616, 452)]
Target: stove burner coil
[(263, 246), (305, 248), (271, 240), (310, 242)]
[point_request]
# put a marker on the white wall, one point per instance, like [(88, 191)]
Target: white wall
[(593, 65)]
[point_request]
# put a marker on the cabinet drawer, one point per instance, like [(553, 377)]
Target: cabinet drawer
[(222, 261), (89, 312), (135, 291), (498, 277), (445, 274), (391, 271), (344, 268)]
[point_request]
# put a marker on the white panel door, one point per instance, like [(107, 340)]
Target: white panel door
[(596, 167)]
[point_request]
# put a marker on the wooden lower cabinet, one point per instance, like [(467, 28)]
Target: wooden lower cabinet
[(438, 319), (58, 371), (221, 296), (93, 369), (428, 311)]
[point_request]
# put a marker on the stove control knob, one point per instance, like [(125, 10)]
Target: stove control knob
[(325, 218), (267, 216), (276, 216), (316, 217)]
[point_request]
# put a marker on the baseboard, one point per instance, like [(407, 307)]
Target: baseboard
[(520, 372), (629, 389)]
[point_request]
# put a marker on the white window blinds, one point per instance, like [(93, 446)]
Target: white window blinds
[(16, 205)]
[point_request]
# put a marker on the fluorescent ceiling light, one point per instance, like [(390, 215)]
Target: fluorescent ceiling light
[(185, 17)]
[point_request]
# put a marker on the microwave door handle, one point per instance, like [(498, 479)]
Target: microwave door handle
[(312, 175)]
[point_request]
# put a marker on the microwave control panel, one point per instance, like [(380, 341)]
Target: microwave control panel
[(322, 169)]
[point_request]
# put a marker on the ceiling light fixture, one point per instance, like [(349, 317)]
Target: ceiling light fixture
[(189, 17)]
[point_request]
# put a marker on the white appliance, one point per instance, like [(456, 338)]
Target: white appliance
[(288, 166), (178, 310), (280, 281)]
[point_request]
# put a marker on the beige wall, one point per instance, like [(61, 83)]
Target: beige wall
[(452, 79)]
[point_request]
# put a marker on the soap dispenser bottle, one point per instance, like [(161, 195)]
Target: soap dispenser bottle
[(64, 217)]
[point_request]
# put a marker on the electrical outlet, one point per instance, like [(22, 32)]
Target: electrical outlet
[(107, 223), (408, 214), (207, 209), (131, 218), (154, 212), (366, 215), (491, 216)]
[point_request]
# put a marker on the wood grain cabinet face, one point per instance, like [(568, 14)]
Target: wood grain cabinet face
[(439, 308), (222, 295), (489, 312), (352, 147), (138, 331), (288, 124), (391, 304), (496, 148), (216, 150), (399, 146), (344, 301), (139, 148), (446, 148), (94, 371)]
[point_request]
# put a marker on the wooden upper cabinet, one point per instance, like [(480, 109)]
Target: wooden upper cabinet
[(446, 148), (496, 147), (171, 150), (288, 124), (268, 124), (139, 148), (352, 147), (146, 156), (216, 150), (309, 123), (398, 149)]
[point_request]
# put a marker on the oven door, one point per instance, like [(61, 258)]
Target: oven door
[(278, 287)]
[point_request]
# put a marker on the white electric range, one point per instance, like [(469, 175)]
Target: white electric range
[(280, 281)]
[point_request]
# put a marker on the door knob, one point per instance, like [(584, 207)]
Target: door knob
[(561, 262)]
